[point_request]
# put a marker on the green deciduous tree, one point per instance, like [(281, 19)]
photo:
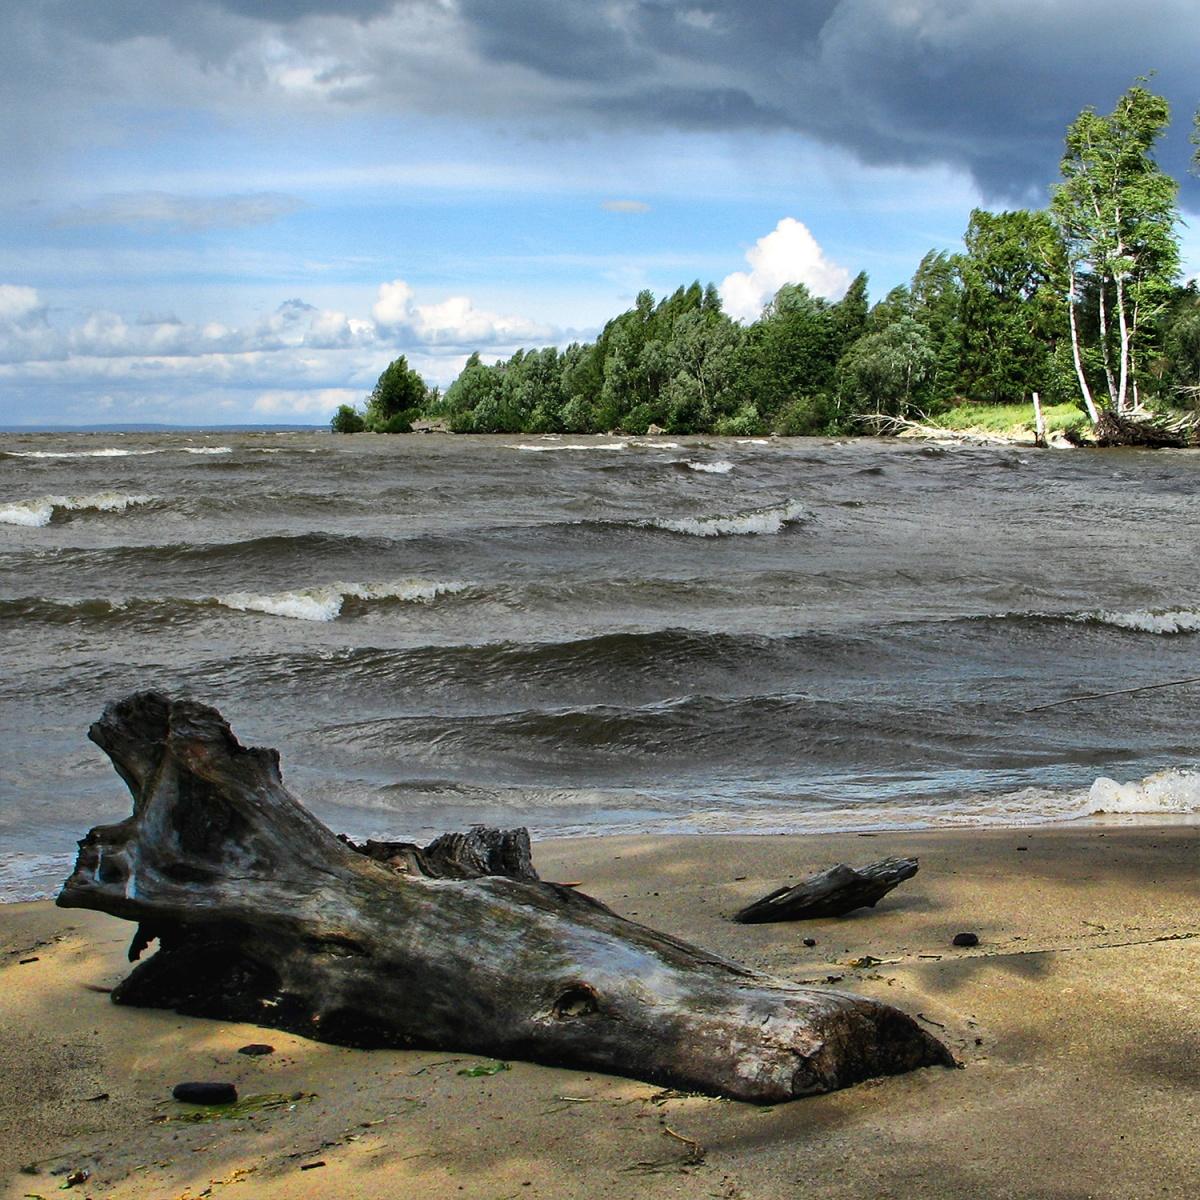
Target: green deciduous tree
[(347, 420), (1115, 211), (397, 398), (1011, 318), (887, 370)]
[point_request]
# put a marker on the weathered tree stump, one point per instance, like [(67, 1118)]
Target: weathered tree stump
[(830, 893), (264, 915)]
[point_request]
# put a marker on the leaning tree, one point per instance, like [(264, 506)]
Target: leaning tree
[(1115, 211)]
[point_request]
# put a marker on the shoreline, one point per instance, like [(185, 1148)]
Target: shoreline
[(1086, 821), (1076, 1019)]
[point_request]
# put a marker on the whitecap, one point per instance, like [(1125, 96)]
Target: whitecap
[(108, 452), (572, 446), (207, 449), (41, 511), (1165, 621), (324, 602), (711, 468), (757, 521), (1171, 791)]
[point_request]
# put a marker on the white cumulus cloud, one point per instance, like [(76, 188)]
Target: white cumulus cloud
[(788, 254), (454, 321), (18, 303)]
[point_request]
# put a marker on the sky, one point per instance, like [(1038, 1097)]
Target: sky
[(239, 211)]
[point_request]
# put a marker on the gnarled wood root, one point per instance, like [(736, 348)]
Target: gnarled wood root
[(264, 915)]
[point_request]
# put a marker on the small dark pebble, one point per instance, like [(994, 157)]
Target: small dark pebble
[(82, 1175), (312, 1166), (99, 1096), (833, 978), (205, 1093), (1022, 847), (256, 1049), (966, 939), (810, 941), (23, 961)]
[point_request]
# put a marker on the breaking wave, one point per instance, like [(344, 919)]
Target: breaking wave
[(108, 452), (771, 519), (42, 511), (324, 602), (1170, 791), (571, 446), (117, 452), (1164, 621), (710, 468)]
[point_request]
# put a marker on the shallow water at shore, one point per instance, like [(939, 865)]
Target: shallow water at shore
[(597, 634)]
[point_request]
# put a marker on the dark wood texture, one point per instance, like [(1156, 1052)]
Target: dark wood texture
[(262, 914), (830, 893)]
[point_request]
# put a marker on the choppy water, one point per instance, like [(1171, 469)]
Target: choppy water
[(585, 635)]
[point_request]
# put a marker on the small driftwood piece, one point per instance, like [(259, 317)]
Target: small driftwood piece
[(263, 915), (830, 893)]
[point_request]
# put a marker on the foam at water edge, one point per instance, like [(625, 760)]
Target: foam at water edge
[(1175, 620), (758, 521), (324, 602), (26, 877), (41, 511), (1170, 791), (711, 468)]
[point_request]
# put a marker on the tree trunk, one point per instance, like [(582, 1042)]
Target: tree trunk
[(1076, 354), (1039, 422), (264, 915)]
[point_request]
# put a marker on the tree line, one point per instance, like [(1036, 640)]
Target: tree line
[(1077, 302)]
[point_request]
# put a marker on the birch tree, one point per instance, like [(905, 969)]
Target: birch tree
[(1115, 211)]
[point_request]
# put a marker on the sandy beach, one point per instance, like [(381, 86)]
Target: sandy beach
[(1076, 1020)]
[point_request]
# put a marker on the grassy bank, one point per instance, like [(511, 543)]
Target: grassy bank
[(1006, 419)]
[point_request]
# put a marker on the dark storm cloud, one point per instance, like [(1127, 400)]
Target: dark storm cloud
[(987, 86)]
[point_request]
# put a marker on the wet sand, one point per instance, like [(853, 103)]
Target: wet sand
[(1076, 1020)]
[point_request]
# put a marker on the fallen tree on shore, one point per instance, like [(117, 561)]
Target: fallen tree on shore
[(263, 915)]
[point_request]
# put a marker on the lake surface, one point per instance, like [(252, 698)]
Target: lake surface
[(587, 635)]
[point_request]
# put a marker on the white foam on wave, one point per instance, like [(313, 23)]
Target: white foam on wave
[(207, 449), (1172, 791), (711, 468), (324, 602), (1164, 621), (41, 511), (107, 452), (757, 521), (571, 446)]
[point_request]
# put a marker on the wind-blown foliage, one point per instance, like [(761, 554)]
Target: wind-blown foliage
[(1115, 212), (1078, 301)]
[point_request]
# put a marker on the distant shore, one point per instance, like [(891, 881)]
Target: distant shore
[(1076, 1019)]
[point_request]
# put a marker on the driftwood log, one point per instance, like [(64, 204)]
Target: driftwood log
[(831, 893), (263, 915), (1139, 428)]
